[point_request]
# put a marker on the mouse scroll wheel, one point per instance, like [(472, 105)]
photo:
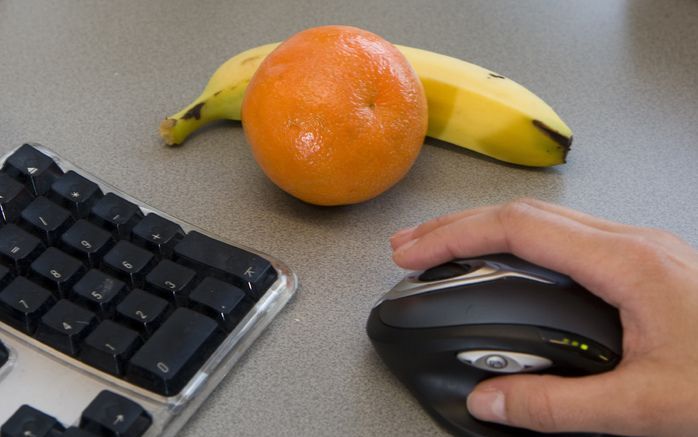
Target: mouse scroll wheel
[(445, 271)]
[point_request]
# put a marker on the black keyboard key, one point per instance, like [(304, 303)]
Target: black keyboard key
[(30, 422), (75, 193), (113, 415), (18, 248), (57, 270), (219, 300), (157, 234), (116, 214), (174, 353), (87, 242), (142, 311), (34, 169), (128, 261), (14, 197), (64, 327), (22, 303), (4, 354), (46, 219), (249, 271), (77, 432), (5, 276), (99, 292), (109, 347), (171, 281)]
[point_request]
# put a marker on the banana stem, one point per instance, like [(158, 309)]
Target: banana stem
[(223, 104), (176, 129)]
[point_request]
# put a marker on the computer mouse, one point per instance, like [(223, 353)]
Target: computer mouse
[(443, 330)]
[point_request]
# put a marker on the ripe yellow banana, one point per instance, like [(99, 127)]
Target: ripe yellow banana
[(469, 106)]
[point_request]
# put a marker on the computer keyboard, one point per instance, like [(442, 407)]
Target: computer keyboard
[(116, 319)]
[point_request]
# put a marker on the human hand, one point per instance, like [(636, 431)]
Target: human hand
[(650, 275)]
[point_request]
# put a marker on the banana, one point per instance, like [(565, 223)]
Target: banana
[(469, 106)]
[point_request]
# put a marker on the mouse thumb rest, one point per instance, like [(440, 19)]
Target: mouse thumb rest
[(432, 371)]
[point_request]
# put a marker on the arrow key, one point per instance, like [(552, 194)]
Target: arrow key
[(65, 325), (30, 422), (110, 414)]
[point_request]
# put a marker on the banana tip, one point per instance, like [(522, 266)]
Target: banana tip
[(166, 127), (564, 142)]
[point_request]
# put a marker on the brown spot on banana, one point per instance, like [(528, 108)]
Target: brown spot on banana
[(497, 76), (563, 141), (194, 112)]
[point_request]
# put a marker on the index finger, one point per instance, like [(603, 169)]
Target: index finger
[(587, 254)]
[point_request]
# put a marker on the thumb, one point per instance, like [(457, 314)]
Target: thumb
[(548, 403)]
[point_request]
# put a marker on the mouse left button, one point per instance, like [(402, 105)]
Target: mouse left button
[(445, 271)]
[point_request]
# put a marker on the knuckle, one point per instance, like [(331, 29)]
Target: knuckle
[(512, 216), (431, 225), (643, 249), (663, 236), (531, 201), (440, 221), (645, 255), (539, 410), (421, 229), (514, 211)]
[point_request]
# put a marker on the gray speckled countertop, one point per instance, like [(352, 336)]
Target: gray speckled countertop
[(92, 80)]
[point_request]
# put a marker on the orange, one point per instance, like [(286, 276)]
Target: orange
[(335, 115)]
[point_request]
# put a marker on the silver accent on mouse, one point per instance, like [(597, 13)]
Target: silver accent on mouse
[(475, 272), (504, 361)]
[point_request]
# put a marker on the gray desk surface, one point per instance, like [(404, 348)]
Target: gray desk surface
[(93, 80)]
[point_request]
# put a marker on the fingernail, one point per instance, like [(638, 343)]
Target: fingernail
[(403, 232), (488, 404)]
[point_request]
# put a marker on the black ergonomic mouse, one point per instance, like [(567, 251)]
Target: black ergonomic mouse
[(443, 330)]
